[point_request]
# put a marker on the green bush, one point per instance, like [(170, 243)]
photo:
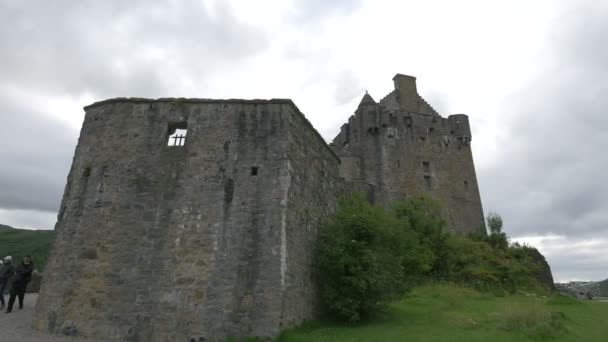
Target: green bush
[(366, 259), (423, 216), (489, 268)]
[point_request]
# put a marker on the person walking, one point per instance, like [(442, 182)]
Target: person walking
[(6, 271), (23, 275)]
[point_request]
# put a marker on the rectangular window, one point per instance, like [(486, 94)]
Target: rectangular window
[(177, 134), (254, 171), (393, 119), (426, 167), (427, 182), (408, 121)]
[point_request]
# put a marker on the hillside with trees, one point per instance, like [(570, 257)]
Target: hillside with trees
[(19, 242)]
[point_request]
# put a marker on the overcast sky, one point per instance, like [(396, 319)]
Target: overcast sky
[(531, 75)]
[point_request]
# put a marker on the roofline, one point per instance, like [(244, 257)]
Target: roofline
[(288, 102), (186, 100), (402, 75)]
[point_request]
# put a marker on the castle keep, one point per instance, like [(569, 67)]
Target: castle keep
[(401, 147), (194, 219)]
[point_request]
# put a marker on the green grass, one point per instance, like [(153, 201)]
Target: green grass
[(451, 313), (20, 242)]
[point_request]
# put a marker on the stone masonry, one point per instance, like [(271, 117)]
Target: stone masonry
[(193, 242), (194, 219), (402, 148)]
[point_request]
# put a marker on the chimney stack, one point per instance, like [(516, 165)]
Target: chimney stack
[(407, 94)]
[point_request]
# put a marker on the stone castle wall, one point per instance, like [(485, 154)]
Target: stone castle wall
[(403, 148), (215, 238), (205, 240)]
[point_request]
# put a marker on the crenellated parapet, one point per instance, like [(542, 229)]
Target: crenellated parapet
[(401, 147)]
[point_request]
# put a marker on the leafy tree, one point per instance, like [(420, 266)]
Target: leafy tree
[(365, 259), (494, 223), (497, 238), (423, 215)]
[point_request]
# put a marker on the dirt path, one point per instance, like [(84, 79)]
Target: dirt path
[(16, 326)]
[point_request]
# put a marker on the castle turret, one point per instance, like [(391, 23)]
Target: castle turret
[(367, 100), (459, 125)]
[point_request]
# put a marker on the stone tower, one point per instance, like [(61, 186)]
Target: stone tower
[(161, 238), (401, 147)]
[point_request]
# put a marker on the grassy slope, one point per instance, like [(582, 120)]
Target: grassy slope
[(448, 313), (19, 242)]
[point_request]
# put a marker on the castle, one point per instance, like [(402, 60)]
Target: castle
[(194, 219), (401, 147)]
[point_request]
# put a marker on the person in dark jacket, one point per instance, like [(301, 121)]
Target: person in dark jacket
[(23, 275), (6, 271)]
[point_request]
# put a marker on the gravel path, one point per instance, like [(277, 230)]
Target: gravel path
[(16, 326)]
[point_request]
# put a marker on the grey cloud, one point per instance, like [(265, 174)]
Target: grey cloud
[(319, 10), (100, 49), (347, 87), (550, 177), (438, 101), (108, 48), (36, 154), (577, 258), (29, 219)]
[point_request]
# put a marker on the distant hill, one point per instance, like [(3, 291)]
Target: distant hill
[(598, 288), (19, 242)]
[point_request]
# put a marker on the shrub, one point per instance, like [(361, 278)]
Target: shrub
[(423, 216), (487, 267), (365, 258)]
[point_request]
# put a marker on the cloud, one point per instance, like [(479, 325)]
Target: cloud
[(532, 77), (28, 219), (347, 87), (549, 178), (61, 51), (114, 48), (573, 258), (36, 154), (311, 11)]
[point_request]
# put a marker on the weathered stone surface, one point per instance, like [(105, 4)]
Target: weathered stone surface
[(214, 238), (34, 285), (166, 243), (402, 148)]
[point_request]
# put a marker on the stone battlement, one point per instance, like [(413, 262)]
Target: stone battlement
[(403, 148)]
